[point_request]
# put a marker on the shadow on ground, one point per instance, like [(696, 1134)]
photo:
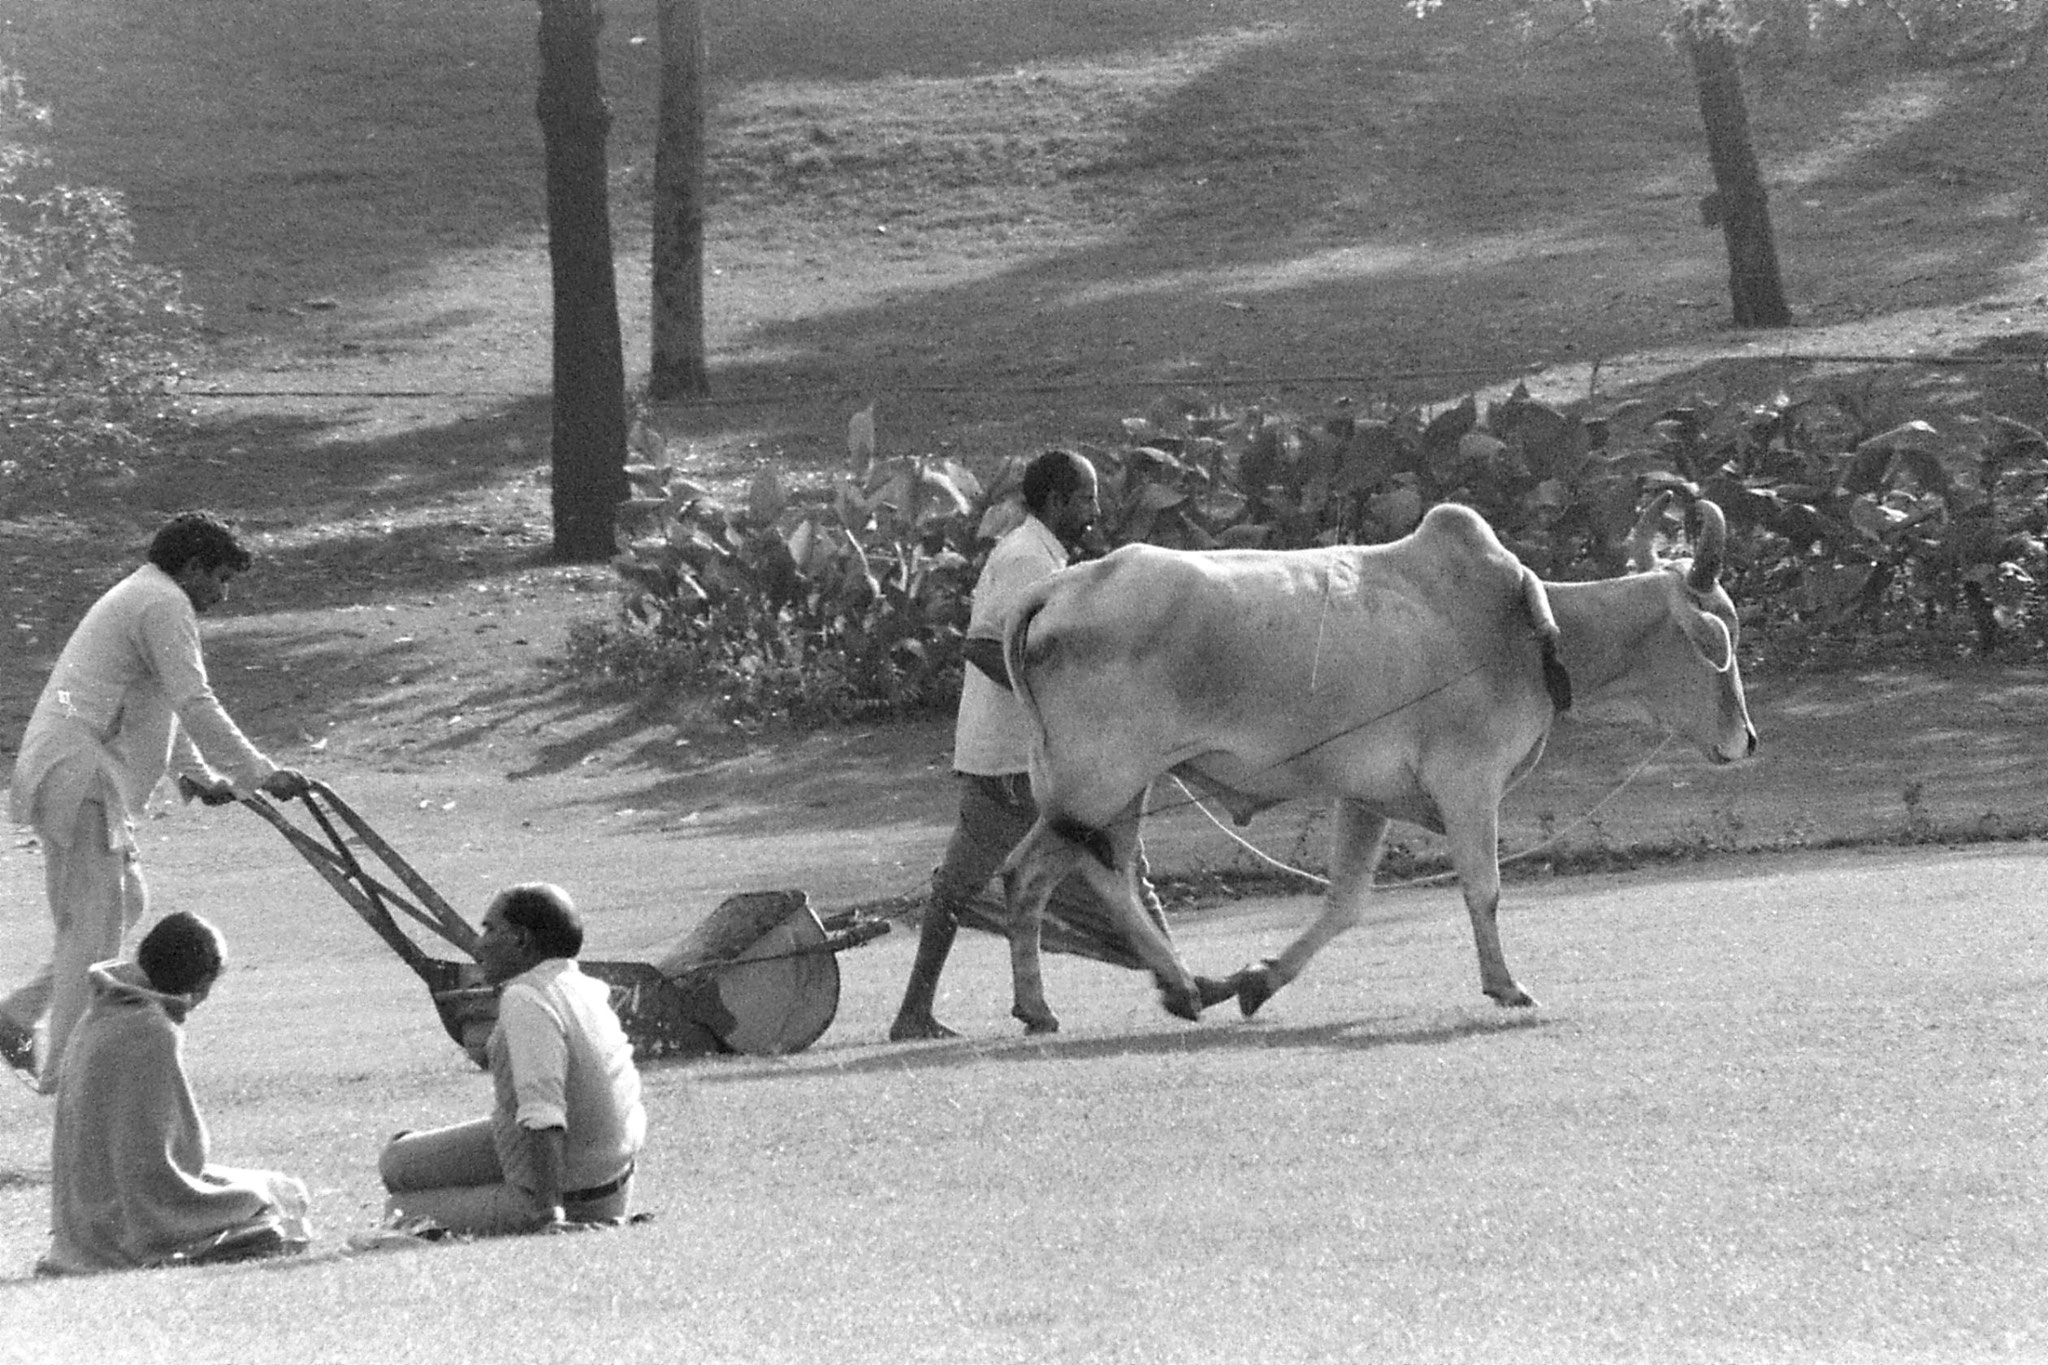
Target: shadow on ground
[(1362, 1035)]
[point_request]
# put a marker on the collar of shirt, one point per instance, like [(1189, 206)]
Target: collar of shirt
[(542, 974), (1042, 534)]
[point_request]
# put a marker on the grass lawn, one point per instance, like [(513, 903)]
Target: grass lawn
[(1776, 1109), (1784, 1112)]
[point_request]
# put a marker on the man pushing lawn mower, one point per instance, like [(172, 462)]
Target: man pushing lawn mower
[(128, 701)]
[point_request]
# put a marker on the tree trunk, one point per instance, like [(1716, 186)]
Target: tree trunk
[(589, 436), (678, 369), (1742, 207)]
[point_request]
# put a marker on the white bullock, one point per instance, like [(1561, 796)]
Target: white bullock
[(1411, 681)]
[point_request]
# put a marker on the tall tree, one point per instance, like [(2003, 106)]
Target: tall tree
[(1739, 202), (589, 432), (678, 369)]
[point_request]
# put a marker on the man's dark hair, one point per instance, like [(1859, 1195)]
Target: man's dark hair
[(1054, 474), (199, 536), (546, 913), (181, 953)]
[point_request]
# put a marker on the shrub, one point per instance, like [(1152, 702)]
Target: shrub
[(1903, 538), (854, 602), (89, 337), (850, 605)]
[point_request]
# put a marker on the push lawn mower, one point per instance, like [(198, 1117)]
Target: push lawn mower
[(759, 975)]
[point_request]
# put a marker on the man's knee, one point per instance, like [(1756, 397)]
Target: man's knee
[(408, 1164), (391, 1163), (998, 811)]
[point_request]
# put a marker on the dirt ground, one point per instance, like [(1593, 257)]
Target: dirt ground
[(1270, 203)]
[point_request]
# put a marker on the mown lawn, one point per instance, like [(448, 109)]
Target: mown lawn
[(1784, 1112)]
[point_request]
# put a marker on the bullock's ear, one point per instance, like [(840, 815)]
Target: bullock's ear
[(1710, 639)]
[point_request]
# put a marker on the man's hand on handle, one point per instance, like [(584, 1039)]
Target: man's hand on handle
[(287, 784), (217, 793)]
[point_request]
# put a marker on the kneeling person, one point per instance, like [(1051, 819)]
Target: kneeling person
[(130, 1183), (559, 1145)]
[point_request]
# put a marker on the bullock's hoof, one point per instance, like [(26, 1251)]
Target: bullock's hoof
[(1181, 1004), (1214, 992), (1255, 986), (1513, 997), (1036, 1024)]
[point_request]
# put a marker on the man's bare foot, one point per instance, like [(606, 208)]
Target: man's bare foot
[(917, 1030)]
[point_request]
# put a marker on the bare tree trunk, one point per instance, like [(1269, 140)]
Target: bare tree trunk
[(678, 369), (1740, 203), (589, 437)]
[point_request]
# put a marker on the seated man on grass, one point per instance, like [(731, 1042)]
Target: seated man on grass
[(557, 1150), (130, 1183)]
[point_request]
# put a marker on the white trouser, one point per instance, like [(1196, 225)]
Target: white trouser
[(452, 1176), (96, 895)]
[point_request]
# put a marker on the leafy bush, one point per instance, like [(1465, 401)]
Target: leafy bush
[(1206, 479), (852, 604), (853, 600), (1849, 538), (89, 337)]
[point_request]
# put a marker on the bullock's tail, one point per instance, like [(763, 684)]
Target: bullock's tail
[(1013, 652), (1537, 603)]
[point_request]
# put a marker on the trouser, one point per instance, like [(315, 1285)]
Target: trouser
[(452, 1176), (995, 815), (96, 893), (996, 812)]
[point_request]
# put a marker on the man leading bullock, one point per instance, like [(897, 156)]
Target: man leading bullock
[(1414, 681), (992, 735)]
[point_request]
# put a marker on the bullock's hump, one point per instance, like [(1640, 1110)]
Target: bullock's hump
[(1454, 524)]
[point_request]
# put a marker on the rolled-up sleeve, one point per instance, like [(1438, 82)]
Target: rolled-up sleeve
[(537, 1043)]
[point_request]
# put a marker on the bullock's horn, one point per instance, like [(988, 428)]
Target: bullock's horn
[(1642, 542), (1709, 545)]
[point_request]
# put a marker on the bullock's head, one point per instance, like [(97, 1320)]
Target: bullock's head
[(1689, 678)]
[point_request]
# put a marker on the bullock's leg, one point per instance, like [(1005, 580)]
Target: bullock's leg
[(1354, 853), (1078, 901), (1474, 839), (1120, 884), (1035, 867), (1209, 990), (1107, 866)]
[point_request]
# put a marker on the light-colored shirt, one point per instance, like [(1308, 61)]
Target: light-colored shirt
[(559, 1059), (992, 734), (124, 705)]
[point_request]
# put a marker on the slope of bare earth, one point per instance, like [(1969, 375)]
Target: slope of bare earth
[(1003, 229)]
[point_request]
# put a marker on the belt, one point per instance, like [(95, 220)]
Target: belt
[(597, 1192)]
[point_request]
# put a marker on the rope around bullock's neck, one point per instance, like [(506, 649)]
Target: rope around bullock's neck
[(1433, 878)]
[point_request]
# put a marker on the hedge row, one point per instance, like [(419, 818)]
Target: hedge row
[(812, 604)]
